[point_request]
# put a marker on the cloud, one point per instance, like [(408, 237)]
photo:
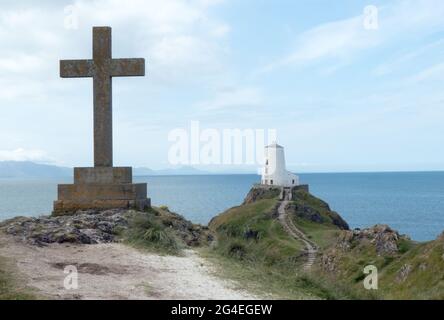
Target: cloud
[(431, 73), (342, 39), (181, 41), (335, 39), (397, 63), (230, 98), (329, 40), (21, 154)]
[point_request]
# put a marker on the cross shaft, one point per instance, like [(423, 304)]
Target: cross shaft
[(102, 68)]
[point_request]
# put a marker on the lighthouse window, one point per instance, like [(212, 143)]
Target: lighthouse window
[(271, 182), (266, 163), (293, 181)]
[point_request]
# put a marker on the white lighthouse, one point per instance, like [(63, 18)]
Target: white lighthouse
[(275, 172)]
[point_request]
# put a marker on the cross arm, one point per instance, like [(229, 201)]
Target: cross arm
[(76, 68), (128, 67)]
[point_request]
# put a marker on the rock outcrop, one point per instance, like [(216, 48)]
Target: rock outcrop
[(382, 237), (313, 214), (308, 207), (83, 228), (380, 240), (93, 227)]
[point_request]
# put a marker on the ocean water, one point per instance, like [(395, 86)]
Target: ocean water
[(412, 203)]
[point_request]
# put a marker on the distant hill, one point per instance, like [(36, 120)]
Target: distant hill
[(185, 171), (143, 172), (31, 170)]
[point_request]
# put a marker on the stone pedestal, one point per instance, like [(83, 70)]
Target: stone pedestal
[(101, 188)]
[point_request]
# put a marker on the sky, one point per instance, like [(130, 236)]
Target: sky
[(342, 96)]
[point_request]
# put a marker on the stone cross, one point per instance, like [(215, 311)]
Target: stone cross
[(102, 68)]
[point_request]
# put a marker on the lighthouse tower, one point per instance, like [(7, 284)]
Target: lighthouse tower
[(275, 172)]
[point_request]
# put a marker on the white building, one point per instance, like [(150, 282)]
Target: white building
[(275, 172)]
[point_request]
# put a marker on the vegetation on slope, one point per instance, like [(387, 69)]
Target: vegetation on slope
[(158, 229), (251, 233), (309, 208), (252, 245), (418, 274), (162, 231), (254, 248)]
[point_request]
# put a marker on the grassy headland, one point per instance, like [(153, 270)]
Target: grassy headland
[(253, 247)]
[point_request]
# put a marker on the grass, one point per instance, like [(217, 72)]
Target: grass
[(324, 235), (253, 249), (317, 208), (426, 278), (147, 232), (278, 281), (271, 261), (250, 233), (11, 288), (265, 282)]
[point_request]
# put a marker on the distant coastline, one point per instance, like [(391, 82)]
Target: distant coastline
[(31, 170)]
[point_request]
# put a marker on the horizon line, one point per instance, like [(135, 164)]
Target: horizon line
[(204, 172)]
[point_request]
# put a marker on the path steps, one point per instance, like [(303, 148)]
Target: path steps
[(295, 232)]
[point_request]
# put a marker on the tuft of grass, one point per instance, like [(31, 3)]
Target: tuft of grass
[(145, 232), (405, 246), (324, 235), (237, 250)]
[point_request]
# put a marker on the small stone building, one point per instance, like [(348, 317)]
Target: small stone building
[(275, 172)]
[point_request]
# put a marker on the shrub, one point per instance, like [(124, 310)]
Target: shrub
[(237, 250), (146, 232)]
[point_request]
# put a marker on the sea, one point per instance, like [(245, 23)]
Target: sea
[(410, 202)]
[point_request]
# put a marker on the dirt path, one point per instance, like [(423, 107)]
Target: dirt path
[(296, 233), (115, 271)]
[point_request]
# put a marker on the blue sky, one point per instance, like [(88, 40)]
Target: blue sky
[(343, 98)]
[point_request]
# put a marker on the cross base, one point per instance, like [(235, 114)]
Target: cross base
[(101, 188), (69, 207)]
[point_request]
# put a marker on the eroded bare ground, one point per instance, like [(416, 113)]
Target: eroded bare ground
[(116, 271)]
